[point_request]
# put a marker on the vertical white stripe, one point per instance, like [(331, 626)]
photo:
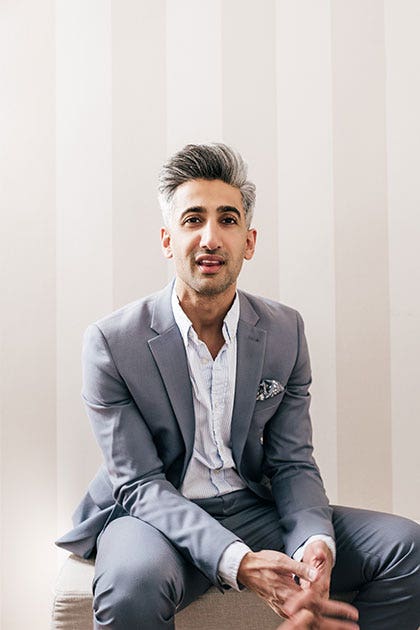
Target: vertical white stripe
[(361, 240), (84, 226), (194, 64), (402, 21), (27, 314), (306, 221)]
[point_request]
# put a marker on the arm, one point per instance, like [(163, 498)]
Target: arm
[(134, 467), (296, 483), (288, 457)]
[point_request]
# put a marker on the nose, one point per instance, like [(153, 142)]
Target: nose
[(210, 235)]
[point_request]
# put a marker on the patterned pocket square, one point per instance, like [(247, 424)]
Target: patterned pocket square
[(268, 388)]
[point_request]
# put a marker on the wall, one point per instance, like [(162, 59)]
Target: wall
[(322, 99)]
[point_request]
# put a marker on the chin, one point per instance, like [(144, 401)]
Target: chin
[(211, 289)]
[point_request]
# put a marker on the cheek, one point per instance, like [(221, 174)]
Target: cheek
[(182, 251), (241, 251)]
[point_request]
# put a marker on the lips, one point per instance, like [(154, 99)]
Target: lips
[(209, 263)]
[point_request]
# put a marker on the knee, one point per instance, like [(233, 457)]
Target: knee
[(131, 596), (412, 544), (405, 552), (409, 536)]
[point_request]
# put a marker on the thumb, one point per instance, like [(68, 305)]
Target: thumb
[(305, 571), (300, 569)]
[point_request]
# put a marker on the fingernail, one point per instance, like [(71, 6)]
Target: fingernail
[(312, 574)]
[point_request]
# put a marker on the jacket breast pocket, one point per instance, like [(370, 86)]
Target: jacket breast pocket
[(269, 405)]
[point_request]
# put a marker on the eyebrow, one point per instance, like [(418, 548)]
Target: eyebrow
[(202, 210)]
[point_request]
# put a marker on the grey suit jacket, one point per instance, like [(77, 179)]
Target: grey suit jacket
[(138, 397)]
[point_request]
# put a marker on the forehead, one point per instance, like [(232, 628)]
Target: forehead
[(208, 194)]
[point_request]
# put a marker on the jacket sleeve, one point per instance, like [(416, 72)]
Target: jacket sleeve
[(135, 469), (296, 482)]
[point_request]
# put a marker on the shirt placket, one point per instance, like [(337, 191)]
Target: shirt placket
[(208, 445), (218, 396)]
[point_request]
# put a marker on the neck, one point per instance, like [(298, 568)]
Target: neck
[(206, 312)]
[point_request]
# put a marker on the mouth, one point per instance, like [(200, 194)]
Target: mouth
[(209, 263)]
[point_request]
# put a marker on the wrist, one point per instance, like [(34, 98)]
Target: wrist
[(229, 563)]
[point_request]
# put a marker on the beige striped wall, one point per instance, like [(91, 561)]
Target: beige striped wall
[(322, 98)]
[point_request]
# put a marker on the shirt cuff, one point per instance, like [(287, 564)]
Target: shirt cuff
[(229, 563), (298, 555)]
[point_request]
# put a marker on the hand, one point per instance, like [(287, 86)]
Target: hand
[(270, 574), (307, 610), (319, 556)]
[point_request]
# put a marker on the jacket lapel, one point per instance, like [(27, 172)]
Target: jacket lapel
[(250, 359), (169, 354)]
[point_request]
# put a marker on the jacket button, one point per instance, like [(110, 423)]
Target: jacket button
[(261, 439)]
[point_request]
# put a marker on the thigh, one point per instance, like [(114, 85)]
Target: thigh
[(367, 541), (137, 557), (378, 555)]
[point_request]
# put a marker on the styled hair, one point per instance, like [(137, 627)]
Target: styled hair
[(205, 161)]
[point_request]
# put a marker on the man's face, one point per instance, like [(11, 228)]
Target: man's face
[(207, 236)]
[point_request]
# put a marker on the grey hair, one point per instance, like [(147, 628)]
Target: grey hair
[(205, 161)]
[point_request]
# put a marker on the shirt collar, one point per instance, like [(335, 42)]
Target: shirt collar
[(230, 323)]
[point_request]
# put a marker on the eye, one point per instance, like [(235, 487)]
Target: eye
[(192, 220), (229, 220)]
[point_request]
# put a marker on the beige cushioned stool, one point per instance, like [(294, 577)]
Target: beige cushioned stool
[(72, 607)]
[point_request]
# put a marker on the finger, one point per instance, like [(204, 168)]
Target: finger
[(304, 599), (321, 584), (336, 624), (318, 554), (312, 601), (304, 585), (306, 620), (301, 569), (321, 587), (303, 620), (333, 608)]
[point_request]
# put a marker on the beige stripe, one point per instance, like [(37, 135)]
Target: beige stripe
[(138, 146), (306, 222), (27, 325), (249, 124)]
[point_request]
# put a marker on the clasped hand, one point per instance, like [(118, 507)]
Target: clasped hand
[(271, 575)]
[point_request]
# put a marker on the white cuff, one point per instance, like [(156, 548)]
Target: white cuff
[(298, 555), (229, 563)]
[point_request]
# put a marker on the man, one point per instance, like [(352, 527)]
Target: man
[(198, 397)]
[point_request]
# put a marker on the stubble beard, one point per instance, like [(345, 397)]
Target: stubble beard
[(212, 290), (212, 286)]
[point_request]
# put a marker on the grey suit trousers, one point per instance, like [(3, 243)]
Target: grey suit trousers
[(141, 580)]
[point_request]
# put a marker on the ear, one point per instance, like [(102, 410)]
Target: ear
[(251, 239), (165, 241)]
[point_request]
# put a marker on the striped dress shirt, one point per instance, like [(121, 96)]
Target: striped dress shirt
[(211, 470)]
